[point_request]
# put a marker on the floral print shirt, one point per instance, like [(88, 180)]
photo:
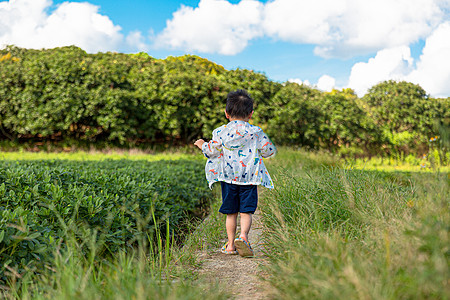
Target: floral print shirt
[(235, 155)]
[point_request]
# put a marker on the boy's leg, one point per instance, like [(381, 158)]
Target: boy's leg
[(246, 223), (248, 195), (231, 224)]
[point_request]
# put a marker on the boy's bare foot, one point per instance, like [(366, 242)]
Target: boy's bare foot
[(225, 250), (231, 247)]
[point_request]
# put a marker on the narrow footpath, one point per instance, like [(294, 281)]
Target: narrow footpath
[(240, 275)]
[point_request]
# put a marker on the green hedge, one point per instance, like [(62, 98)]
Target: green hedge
[(127, 99)]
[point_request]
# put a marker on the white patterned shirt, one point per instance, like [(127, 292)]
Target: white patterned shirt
[(235, 155)]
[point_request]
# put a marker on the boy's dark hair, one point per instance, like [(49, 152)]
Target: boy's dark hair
[(239, 104)]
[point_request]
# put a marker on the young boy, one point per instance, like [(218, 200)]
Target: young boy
[(235, 158)]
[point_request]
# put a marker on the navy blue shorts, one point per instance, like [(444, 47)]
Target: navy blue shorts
[(238, 198)]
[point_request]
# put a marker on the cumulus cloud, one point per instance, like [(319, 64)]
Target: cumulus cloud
[(433, 68), (215, 26), (338, 28), (431, 71), (299, 81), (393, 63), (302, 21), (326, 83), (26, 23), (368, 26), (136, 41)]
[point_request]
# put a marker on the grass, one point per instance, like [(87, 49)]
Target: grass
[(337, 233), (135, 275), (391, 164), (158, 268), (98, 155), (331, 232)]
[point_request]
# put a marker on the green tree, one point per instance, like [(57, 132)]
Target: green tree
[(296, 114), (403, 111)]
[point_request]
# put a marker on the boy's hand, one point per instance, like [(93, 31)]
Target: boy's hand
[(199, 143)]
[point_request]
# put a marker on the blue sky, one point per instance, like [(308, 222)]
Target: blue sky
[(324, 43)]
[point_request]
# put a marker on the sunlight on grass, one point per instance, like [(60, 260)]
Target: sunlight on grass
[(88, 156), (338, 233)]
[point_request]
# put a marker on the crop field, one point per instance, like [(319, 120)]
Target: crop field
[(44, 203)]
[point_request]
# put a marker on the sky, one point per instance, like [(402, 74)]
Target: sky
[(323, 43)]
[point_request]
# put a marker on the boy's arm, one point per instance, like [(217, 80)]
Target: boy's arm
[(265, 145), (211, 149), (199, 143)]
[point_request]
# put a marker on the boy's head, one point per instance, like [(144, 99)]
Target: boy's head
[(239, 104)]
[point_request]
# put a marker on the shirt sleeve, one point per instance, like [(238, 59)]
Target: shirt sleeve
[(265, 145), (213, 148)]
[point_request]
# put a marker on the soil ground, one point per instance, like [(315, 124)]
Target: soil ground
[(240, 276)]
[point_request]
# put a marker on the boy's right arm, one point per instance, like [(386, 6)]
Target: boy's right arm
[(211, 149), (199, 143), (265, 145)]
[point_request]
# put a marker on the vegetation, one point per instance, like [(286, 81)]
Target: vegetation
[(340, 233), (330, 230), (45, 204), (67, 95), (79, 225)]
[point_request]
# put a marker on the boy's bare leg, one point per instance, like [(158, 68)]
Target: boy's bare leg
[(231, 224), (246, 223)]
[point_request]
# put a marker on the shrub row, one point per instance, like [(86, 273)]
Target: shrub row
[(133, 98)]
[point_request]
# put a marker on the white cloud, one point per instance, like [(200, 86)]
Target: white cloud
[(392, 63), (368, 26), (26, 23), (135, 40), (299, 81), (431, 71), (214, 26), (433, 68), (338, 28), (302, 21), (326, 83)]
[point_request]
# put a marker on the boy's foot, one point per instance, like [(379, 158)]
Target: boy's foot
[(229, 252), (243, 247)]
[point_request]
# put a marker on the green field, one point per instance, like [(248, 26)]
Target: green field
[(102, 226), (340, 233), (96, 205)]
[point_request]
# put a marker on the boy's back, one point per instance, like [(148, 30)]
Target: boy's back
[(235, 155), (235, 158)]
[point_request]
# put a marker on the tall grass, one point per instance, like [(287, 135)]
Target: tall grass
[(156, 269), (335, 233)]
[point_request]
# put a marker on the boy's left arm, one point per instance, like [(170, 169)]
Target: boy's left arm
[(265, 145)]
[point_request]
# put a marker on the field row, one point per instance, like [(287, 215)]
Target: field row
[(46, 203)]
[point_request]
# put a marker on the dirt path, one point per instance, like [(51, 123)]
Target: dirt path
[(240, 275)]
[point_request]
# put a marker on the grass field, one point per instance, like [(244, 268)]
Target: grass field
[(337, 233), (333, 229)]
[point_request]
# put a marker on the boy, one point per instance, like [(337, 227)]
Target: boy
[(235, 158)]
